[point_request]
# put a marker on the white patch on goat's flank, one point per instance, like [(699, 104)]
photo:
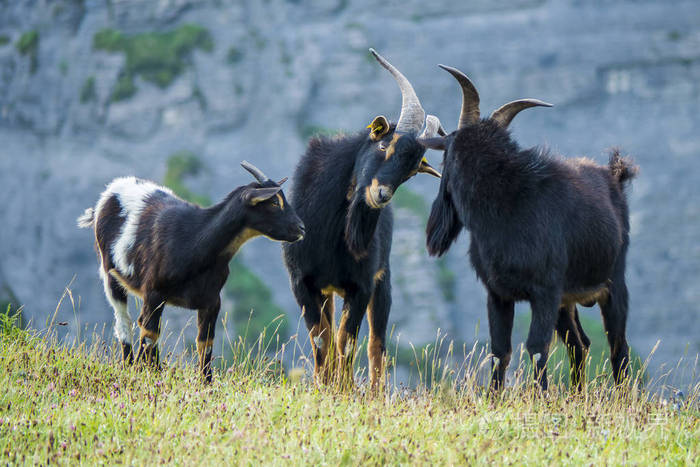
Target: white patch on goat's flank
[(132, 194), (318, 340), (123, 326)]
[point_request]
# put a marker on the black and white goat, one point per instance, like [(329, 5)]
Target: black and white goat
[(544, 229), (155, 245)]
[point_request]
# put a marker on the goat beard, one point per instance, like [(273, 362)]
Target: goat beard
[(360, 224), (443, 226)]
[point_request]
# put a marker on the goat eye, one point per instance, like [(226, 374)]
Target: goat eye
[(382, 146)]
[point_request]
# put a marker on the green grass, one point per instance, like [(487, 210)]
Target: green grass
[(598, 353), (70, 403), (4, 39), (158, 57), (28, 44)]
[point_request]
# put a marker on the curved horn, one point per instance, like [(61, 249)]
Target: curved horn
[(470, 98), (412, 114), (255, 172), (504, 114)]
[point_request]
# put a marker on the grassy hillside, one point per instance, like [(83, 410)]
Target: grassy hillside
[(73, 403)]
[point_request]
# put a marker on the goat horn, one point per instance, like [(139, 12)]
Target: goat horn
[(255, 172), (470, 98), (412, 114), (504, 114)]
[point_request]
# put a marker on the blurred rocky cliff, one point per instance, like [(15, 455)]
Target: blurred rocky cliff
[(94, 89)]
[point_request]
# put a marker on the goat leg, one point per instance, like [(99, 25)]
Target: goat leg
[(500, 327)]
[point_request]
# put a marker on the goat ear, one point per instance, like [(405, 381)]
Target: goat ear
[(378, 128), (437, 143), (257, 195)]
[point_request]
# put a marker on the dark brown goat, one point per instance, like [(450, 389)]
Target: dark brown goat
[(164, 250), (342, 190), (544, 229)]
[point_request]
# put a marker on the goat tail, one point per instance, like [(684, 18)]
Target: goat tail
[(87, 219), (622, 168)]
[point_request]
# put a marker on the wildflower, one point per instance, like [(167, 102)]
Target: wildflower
[(73, 393)]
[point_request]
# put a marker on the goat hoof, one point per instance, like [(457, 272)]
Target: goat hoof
[(127, 353)]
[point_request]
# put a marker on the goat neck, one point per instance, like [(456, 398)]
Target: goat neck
[(224, 225)]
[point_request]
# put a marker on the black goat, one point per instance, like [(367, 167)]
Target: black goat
[(342, 187), (544, 229), (165, 250)]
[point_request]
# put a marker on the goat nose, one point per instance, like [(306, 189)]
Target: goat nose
[(384, 195), (302, 227)]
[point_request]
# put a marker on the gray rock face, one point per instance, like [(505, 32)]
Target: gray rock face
[(619, 73)]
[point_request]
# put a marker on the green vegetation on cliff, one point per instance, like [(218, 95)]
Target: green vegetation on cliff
[(28, 45), (87, 91), (180, 165), (157, 57)]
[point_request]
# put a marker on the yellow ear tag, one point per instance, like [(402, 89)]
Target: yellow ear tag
[(378, 128)]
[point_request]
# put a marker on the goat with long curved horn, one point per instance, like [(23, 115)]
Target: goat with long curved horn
[(255, 172), (412, 113), (470, 98)]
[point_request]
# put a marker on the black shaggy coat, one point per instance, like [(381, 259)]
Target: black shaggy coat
[(345, 251), (544, 229), (348, 241)]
